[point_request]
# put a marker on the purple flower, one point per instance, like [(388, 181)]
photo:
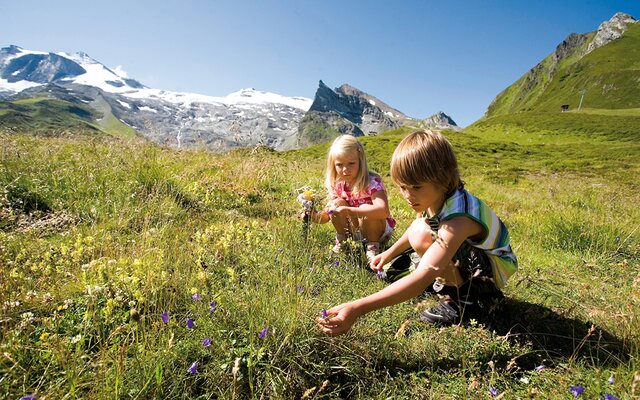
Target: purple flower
[(196, 296), (206, 342), (379, 274), (300, 289), (576, 390), (540, 367), (336, 263), (263, 333), (213, 306), (30, 397), (610, 380), (190, 323), (165, 317), (608, 396), (493, 391), (323, 313), (193, 369)]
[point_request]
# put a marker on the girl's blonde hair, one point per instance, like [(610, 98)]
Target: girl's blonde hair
[(425, 156), (343, 145)]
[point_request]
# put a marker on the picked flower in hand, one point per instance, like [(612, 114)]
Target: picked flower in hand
[(307, 198)]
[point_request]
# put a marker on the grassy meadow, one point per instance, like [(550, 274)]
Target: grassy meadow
[(132, 271)]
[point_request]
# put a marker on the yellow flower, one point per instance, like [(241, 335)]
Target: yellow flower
[(44, 336), (309, 195)]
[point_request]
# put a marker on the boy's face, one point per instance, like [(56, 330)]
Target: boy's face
[(347, 167), (422, 197)]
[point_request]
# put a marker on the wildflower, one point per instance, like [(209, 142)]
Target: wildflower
[(30, 397), (165, 317), (263, 333), (44, 336), (336, 263), (493, 391), (213, 306), (190, 323), (540, 367), (196, 296), (324, 314), (610, 380), (576, 390), (300, 289), (379, 274), (608, 396), (206, 342), (193, 369)]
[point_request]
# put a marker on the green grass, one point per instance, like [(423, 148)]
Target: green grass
[(100, 236)]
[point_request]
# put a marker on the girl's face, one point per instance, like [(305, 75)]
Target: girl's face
[(423, 197), (347, 167)]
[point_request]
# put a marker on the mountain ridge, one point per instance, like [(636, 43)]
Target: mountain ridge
[(244, 118), (560, 78)]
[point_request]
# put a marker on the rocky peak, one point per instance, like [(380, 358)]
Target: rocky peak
[(570, 45), (40, 68), (440, 120), (611, 30)]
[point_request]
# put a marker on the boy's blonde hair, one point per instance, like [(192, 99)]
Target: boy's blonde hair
[(425, 156), (343, 145)]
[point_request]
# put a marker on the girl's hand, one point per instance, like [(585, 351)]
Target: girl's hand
[(339, 321), (341, 210), (302, 215)]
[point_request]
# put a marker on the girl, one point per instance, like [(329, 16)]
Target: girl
[(464, 247), (357, 206)]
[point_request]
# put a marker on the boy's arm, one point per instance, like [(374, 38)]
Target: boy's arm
[(451, 235)]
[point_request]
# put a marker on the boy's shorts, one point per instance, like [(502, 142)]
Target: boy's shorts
[(469, 260)]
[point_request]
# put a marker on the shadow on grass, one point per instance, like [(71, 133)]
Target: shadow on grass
[(559, 338)]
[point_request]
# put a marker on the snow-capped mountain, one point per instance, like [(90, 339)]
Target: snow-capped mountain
[(244, 118)]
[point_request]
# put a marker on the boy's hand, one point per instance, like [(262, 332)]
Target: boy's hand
[(339, 320), (377, 262)]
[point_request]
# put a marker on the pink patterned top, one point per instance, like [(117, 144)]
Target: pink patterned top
[(358, 199)]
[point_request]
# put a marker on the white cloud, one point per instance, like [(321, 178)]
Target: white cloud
[(120, 71)]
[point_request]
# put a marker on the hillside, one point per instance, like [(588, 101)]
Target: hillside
[(99, 237), (607, 75)]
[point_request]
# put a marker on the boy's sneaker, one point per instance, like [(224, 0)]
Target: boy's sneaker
[(479, 299), (446, 313)]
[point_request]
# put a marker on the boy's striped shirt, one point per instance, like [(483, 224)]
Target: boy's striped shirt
[(496, 244)]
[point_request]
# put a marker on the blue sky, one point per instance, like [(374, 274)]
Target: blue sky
[(417, 56)]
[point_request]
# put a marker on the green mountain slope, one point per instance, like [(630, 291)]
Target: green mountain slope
[(52, 117), (609, 76)]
